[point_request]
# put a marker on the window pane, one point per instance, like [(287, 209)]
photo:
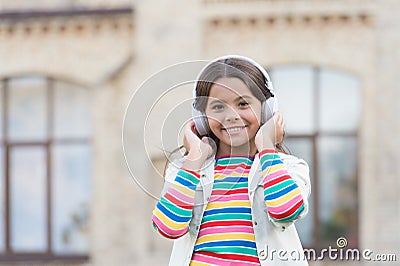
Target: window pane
[(302, 148), (337, 188), (71, 195), (28, 199), (339, 101), (71, 111), (2, 201), (27, 109), (294, 88)]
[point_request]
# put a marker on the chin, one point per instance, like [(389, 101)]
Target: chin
[(238, 144)]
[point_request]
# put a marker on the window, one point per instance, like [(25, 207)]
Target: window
[(45, 166), (321, 108)]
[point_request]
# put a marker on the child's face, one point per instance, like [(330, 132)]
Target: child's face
[(233, 114)]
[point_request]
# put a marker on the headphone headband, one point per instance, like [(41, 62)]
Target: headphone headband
[(268, 82)]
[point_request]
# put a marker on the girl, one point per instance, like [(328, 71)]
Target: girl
[(234, 204)]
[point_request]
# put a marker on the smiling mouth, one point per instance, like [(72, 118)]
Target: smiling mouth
[(234, 130)]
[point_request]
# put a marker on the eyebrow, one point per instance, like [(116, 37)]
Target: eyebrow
[(237, 99), (243, 97)]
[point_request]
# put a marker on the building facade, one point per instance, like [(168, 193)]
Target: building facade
[(67, 75)]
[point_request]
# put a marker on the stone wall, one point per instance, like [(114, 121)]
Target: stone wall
[(113, 54)]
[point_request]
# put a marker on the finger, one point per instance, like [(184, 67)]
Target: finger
[(280, 119), (189, 134), (191, 128), (189, 125), (280, 122), (277, 119), (277, 116), (194, 129)]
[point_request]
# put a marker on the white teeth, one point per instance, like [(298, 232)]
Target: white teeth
[(234, 129)]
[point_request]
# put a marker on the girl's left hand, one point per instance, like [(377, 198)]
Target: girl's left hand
[(271, 133)]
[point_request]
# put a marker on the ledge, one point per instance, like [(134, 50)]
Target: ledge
[(291, 19), (33, 259), (57, 13)]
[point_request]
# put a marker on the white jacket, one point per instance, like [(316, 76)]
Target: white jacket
[(277, 243)]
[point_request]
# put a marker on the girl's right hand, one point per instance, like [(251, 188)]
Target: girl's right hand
[(198, 149)]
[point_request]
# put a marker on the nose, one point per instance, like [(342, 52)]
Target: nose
[(232, 115)]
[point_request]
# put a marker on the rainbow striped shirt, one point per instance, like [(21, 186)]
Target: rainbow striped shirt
[(226, 234), (281, 193)]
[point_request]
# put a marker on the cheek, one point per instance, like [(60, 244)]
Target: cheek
[(253, 115), (214, 119), (213, 123)]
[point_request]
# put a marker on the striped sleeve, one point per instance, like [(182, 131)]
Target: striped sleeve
[(282, 195), (173, 212)]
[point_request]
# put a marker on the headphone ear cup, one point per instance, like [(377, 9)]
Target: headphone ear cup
[(201, 122), (267, 108)]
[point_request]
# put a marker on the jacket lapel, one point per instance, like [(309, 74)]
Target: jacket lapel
[(253, 176)]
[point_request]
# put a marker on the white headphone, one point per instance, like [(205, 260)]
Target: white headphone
[(268, 107)]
